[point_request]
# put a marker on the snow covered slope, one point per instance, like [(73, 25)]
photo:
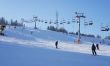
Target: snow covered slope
[(37, 34), (16, 55), (36, 48), (46, 39)]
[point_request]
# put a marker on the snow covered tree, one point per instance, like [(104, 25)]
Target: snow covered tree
[(15, 23), (3, 21)]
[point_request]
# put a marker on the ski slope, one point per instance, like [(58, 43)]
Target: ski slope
[(21, 48)]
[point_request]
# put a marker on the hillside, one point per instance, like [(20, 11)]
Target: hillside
[(36, 48)]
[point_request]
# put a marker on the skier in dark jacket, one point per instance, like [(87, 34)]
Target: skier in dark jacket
[(93, 48), (97, 46), (56, 44)]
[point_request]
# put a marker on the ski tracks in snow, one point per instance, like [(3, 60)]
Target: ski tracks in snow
[(63, 46)]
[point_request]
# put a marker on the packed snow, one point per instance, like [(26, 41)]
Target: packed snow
[(29, 47)]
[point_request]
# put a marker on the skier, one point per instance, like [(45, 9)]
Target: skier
[(93, 48), (97, 46), (56, 44), (100, 42)]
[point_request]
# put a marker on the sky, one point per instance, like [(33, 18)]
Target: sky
[(95, 10)]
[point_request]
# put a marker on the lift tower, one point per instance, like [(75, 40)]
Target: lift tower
[(79, 16)]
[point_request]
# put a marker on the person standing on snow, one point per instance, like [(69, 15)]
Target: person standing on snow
[(97, 46), (93, 48), (56, 44)]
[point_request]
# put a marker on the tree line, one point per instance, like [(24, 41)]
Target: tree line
[(12, 22), (63, 30)]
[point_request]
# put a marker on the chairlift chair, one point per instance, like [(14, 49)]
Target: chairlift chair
[(61, 23), (68, 22), (42, 21), (39, 20), (73, 20), (85, 23), (105, 28), (90, 23), (45, 21)]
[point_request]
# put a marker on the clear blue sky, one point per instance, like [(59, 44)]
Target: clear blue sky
[(96, 10)]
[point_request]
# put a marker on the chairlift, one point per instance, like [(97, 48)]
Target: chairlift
[(85, 23), (64, 22), (45, 21), (61, 23), (106, 28), (39, 20), (77, 21), (73, 20), (55, 23), (90, 23), (68, 22), (42, 21)]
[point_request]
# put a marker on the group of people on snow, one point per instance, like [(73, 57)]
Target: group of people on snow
[(93, 47)]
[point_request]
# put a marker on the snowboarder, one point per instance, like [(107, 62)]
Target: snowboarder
[(56, 44), (97, 46), (93, 48)]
